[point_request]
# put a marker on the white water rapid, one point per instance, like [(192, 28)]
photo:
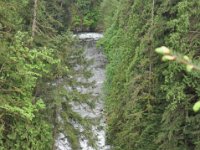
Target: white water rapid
[(98, 70)]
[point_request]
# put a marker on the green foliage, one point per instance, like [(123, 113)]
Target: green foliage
[(108, 9), (32, 96), (11, 19), (20, 69), (169, 55), (59, 90), (149, 103), (28, 135), (85, 15)]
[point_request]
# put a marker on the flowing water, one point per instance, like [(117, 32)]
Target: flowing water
[(98, 70)]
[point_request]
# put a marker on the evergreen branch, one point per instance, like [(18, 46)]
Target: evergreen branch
[(169, 55), (15, 89), (53, 30)]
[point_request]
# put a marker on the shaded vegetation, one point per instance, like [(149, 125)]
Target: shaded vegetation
[(38, 55), (148, 102)]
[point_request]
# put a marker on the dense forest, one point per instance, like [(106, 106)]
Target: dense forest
[(148, 102), (37, 51)]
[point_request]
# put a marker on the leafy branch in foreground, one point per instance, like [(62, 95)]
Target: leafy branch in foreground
[(169, 55)]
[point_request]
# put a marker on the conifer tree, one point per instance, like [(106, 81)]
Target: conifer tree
[(37, 51), (149, 105)]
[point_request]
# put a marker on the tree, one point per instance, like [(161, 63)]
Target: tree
[(36, 50), (149, 106)]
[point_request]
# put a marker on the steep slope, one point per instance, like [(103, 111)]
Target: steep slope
[(148, 102)]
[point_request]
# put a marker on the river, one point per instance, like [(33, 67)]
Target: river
[(91, 52)]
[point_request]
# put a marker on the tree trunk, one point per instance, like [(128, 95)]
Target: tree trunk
[(34, 18)]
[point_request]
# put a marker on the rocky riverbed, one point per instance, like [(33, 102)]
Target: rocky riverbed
[(97, 67)]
